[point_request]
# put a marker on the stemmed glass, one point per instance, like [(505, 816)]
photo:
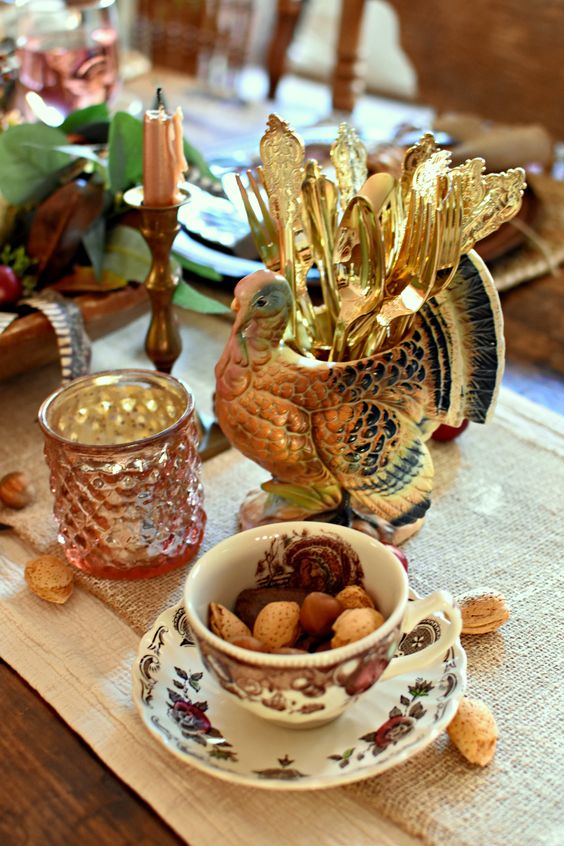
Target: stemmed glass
[(68, 54)]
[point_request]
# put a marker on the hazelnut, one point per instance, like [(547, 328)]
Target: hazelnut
[(249, 642), (319, 612), (16, 490)]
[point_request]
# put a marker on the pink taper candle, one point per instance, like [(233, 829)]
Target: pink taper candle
[(164, 163)]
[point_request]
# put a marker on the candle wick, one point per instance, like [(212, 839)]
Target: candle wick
[(160, 102)]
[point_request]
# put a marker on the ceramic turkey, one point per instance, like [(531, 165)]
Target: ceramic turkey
[(353, 433), (337, 401)]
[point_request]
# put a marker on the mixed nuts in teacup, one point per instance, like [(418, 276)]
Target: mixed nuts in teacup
[(298, 586), (293, 621)]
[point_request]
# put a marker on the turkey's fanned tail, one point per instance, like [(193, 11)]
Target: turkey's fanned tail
[(465, 323)]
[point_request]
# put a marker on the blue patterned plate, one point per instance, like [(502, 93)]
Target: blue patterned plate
[(184, 708)]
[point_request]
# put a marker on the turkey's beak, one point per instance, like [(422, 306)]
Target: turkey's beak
[(235, 305)]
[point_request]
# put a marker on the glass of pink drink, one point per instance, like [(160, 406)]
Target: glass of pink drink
[(68, 54)]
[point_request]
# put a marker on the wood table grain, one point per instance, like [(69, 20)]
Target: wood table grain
[(54, 789)]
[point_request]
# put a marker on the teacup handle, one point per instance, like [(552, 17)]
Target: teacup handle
[(416, 611)]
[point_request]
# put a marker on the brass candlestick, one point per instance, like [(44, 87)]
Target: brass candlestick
[(159, 226)]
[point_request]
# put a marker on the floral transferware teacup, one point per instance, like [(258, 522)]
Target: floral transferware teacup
[(307, 690)]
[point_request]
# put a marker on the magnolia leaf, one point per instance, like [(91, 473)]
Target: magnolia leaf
[(198, 269), (125, 144), (187, 297), (127, 254), (84, 279), (59, 224), (126, 258), (91, 114), (30, 161)]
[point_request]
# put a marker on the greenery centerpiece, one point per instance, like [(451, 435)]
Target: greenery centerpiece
[(64, 227)]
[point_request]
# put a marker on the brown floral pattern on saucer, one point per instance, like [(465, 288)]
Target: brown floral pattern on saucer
[(183, 708)]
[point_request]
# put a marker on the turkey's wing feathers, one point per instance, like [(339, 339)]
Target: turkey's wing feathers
[(377, 455)]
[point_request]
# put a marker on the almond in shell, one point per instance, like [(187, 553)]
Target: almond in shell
[(354, 596), (225, 624), (50, 578), (354, 624), (482, 611), (278, 624), (473, 731)]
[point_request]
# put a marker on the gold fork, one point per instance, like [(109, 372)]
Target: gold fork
[(263, 230), (363, 333), (358, 259), (418, 276), (265, 235), (453, 233), (303, 261)]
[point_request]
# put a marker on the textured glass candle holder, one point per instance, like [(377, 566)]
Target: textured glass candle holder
[(125, 473)]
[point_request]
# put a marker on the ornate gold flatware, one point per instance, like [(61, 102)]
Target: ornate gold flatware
[(336, 401)]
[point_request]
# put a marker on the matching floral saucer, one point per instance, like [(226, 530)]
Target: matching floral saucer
[(181, 704)]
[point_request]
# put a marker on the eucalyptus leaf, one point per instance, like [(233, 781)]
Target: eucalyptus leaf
[(82, 117), (125, 144), (127, 254), (187, 297), (30, 161), (82, 151)]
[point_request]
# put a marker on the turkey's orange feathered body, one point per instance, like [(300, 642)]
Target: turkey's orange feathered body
[(359, 425)]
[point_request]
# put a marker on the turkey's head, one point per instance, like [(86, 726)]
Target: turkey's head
[(262, 303)]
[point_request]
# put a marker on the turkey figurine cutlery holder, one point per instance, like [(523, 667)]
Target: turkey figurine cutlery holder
[(336, 401)]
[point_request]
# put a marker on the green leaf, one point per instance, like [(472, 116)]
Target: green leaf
[(187, 297), (94, 242), (198, 269), (194, 157), (125, 144), (30, 161), (127, 254), (81, 151), (82, 117)]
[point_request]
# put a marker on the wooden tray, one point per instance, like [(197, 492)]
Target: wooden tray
[(30, 341)]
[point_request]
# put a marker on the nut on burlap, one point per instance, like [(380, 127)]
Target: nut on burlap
[(50, 578), (473, 731), (483, 610)]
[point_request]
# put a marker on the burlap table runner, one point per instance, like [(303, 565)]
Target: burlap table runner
[(495, 521)]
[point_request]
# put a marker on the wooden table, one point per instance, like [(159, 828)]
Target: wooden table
[(56, 791)]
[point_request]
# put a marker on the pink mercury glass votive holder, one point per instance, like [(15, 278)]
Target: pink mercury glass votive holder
[(122, 449)]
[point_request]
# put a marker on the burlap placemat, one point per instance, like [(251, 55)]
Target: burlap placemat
[(495, 521)]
